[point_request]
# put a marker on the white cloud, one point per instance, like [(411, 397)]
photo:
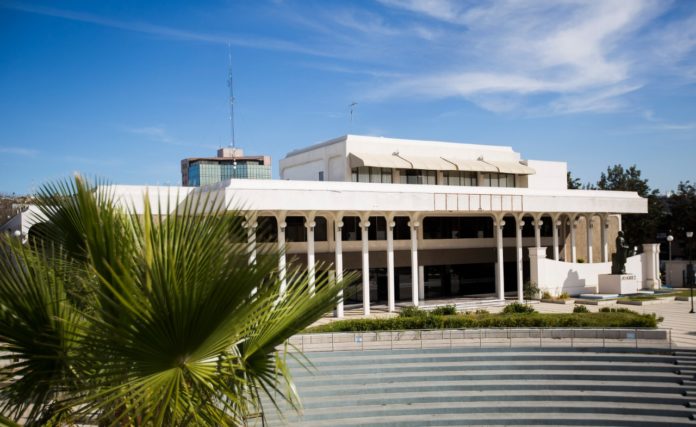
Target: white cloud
[(165, 31), (19, 151), (582, 56)]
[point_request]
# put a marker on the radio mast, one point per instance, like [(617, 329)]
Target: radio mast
[(230, 85)]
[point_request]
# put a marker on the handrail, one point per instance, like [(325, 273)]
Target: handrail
[(485, 337)]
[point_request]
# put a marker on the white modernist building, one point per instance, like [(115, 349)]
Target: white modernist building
[(430, 220)]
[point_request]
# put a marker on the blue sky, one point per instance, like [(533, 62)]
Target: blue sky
[(126, 89)]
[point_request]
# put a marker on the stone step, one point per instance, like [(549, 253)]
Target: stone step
[(367, 389), (340, 359), (469, 397), (512, 375), (504, 420), (596, 410), (498, 351), (481, 366)]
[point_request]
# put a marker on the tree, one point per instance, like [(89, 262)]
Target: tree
[(681, 217), (573, 183), (115, 318), (638, 229)]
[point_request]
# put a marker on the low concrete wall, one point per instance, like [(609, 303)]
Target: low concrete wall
[(557, 277)]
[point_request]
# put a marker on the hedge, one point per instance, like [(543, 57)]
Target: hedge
[(460, 321)]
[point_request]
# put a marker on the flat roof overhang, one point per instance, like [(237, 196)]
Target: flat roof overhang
[(278, 195)]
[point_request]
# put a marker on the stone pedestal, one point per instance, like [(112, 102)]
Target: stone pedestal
[(618, 284)]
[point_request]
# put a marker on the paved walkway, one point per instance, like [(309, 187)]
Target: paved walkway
[(675, 313)]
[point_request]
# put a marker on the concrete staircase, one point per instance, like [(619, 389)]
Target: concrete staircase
[(448, 387)]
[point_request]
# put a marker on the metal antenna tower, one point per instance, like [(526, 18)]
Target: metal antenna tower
[(352, 107), (230, 86)]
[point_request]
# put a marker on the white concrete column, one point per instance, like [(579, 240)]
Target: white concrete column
[(537, 230), (604, 233), (414, 260), (364, 227), (500, 277), (391, 304), (518, 241), (311, 273), (338, 265), (282, 257), (250, 226), (651, 266), (537, 274), (589, 227), (573, 233), (556, 223)]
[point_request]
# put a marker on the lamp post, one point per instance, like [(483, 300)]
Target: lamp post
[(690, 269), (670, 238)]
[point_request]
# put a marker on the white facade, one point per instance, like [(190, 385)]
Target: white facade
[(413, 241)]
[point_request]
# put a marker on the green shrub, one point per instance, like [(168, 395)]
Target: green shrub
[(564, 295), (546, 295), (530, 290), (616, 310), (445, 310), (517, 307), (514, 320), (481, 312), (580, 309), (581, 261), (412, 312)]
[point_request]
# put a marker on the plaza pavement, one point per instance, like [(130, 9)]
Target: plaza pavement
[(675, 313)]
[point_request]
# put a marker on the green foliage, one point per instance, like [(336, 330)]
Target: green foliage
[(573, 183), (581, 260), (616, 310), (638, 229), (445, 310), (546, 295), (580, 309), (154, 318), (564, 295), (412, 312), (530, 290), (518, 308), (515, 320)]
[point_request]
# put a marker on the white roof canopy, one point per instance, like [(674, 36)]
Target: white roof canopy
[(408, 161), (472, 165), (377, 160), (516, 168)]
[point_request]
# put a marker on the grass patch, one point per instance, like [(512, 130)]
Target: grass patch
[(617, 318)]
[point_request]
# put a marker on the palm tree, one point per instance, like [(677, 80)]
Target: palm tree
[(151, 319)]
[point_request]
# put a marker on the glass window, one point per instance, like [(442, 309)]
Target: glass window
[(371, 174), (386, 175), (417, 176)]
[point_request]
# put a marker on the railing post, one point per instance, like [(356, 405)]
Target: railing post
[(362, 341), (332, 341), (420, 334), (391, 340), (541, 331), (480, 338), (604, 338), (509, 339), (572, 338), (636, 332)]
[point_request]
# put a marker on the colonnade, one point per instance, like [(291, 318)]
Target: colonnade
[(415, 221)]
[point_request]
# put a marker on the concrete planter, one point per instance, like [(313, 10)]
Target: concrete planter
[(559, 301), (647, 302), (682, 298), (598, 302)]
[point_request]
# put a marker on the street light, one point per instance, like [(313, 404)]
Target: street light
[(670, 238), (690, 270)]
